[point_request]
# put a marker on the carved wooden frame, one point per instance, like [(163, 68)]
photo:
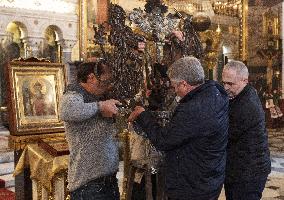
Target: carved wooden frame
[(34, 91)]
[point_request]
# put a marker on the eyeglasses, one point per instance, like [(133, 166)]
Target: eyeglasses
[(233, 83), (228, 83)]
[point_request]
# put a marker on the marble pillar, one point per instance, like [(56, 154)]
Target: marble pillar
[(67, 46)]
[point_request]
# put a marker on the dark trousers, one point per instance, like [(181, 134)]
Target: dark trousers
[(245, 190), (207, 198), (139, 192), (213, 196), (104, 188)]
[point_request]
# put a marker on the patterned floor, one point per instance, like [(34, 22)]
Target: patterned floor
[(274, 187)]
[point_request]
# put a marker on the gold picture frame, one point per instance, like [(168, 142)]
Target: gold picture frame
[(34, 92)]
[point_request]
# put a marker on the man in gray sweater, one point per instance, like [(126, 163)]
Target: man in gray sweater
[(90, 132)]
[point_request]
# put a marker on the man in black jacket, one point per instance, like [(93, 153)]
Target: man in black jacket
[(195, 139), (248, 159)]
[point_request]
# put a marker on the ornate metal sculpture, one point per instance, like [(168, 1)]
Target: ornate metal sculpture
[(125, 60), (137, 72), (101, 38), (154, 24), (131, 67)]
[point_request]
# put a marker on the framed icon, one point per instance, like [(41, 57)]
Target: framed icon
[(34, 92)]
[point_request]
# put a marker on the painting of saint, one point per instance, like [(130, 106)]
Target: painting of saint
[(38, 97), (34, 91)]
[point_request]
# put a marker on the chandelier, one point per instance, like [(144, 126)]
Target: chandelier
[(232, 8), (192, 7)]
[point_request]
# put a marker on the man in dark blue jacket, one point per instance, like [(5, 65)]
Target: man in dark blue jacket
[(195, 139), (248, 160)]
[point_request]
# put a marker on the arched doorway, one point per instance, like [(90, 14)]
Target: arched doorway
[(52, 49), (15, 47)]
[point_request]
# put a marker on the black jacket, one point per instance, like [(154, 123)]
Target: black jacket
[(248, 154), (194, 142)]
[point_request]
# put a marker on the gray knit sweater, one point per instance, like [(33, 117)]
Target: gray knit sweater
[(91, 138)]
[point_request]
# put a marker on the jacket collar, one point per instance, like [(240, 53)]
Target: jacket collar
[(241, 94), (88, 97), (204, 86)]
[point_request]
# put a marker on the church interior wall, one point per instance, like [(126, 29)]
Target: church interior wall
[(23, 31), (36, 22)]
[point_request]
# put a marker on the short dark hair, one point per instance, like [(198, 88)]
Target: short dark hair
[(86, 68)]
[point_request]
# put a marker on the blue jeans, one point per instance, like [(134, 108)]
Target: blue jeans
[(245, 190), (104, 188)]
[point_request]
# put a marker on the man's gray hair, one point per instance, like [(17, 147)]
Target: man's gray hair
[(239, 67), (188, 69)]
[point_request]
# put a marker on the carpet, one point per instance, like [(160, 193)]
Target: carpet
[(6, 194)]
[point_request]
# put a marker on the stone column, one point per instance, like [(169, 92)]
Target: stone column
[(67, 46), (34, 46)]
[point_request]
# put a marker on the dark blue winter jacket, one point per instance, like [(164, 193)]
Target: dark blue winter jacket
[(194, 143), (248, 152)]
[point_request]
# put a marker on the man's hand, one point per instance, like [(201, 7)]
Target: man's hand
[(137, 111), (179, 35), (108, 108)]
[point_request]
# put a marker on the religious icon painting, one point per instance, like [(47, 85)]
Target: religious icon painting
[(34, 92)]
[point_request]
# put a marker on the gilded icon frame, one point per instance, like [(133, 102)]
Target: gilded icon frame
[(34, 92)]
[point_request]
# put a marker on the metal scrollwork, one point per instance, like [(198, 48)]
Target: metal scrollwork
[(126, 61), (100, 38), (134, 71), (192, 44)]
